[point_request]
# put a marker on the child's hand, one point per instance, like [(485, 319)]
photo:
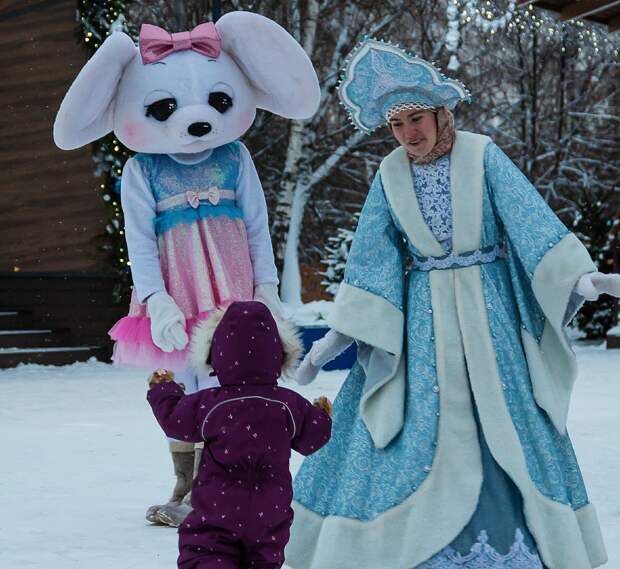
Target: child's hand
[(159, 376), (325, 404)]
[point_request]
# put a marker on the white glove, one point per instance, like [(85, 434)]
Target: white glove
[(591, 285), (267, 293), (322, 351), (167, 322)]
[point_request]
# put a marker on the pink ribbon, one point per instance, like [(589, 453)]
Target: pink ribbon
[(156, 43), (212, 195), (193, 199)]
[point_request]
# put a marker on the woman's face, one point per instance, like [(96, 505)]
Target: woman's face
[(415, 130)]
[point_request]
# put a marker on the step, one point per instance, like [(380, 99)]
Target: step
[(15, 320), (32, 338), (61, 355), (613, 342)]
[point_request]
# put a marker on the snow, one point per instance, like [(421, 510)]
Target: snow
[(37, 350), (82, 458), (14, 332), (615, 331), (310, 314)]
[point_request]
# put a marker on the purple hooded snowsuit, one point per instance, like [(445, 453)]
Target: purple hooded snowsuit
[(242, 493)]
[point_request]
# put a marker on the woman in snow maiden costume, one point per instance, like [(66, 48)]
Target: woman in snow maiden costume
[(195, 213), (449, 446)]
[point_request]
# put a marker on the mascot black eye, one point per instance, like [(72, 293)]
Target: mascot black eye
[(162, 109), (220, 101)]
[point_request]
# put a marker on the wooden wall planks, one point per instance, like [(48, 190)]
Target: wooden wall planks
[(51, 212)]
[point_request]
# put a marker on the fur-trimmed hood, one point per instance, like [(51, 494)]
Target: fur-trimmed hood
[(252, 345)]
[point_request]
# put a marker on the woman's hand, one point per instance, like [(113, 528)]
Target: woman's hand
[(324, 350), (591, 285)]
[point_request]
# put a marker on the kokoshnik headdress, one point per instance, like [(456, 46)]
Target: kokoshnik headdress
[(379, 78)]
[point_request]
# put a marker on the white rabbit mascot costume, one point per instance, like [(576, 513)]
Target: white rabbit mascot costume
[(195, 213)]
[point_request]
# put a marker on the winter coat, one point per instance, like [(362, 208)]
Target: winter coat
[(249, 425)]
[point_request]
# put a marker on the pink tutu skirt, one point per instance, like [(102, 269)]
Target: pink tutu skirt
[(206, 265)]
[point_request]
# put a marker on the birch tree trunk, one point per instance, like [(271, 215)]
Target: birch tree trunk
[(290, 290), (292, 200), (297, 180)]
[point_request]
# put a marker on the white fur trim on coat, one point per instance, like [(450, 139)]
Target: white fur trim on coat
[(200, 345), (291, 345)]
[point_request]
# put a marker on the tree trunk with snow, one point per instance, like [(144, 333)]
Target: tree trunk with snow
[(299, 178), (291, 276), (294, 153)]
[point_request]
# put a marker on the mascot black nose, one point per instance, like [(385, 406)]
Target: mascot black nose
[(199, 128)]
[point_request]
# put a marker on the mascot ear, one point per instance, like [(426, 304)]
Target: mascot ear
[(86, 112), (275, 64)]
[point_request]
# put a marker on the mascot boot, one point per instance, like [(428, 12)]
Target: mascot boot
[(183, 461), (173, 513)]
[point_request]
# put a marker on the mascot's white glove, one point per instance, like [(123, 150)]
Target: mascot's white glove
[(167, 322), (267, 293), (591, 285), (322, 351)]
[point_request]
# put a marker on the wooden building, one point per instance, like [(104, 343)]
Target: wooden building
[(53, 294)]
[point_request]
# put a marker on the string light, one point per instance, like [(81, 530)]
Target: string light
[(97, 20), (488, 17), (485, 19)]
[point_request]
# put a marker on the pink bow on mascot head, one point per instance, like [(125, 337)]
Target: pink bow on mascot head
[(156, 43)]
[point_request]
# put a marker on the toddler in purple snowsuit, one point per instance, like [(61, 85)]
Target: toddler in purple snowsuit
[(242, 492)]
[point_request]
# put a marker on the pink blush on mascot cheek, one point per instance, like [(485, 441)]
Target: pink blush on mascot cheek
[(133, 134), (245, 120)]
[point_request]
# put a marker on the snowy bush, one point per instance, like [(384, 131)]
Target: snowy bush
[(336, 253)]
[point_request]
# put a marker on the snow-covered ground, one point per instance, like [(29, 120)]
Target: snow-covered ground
[(82, 457)]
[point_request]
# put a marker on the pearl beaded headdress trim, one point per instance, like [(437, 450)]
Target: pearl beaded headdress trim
[(406, 107)]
